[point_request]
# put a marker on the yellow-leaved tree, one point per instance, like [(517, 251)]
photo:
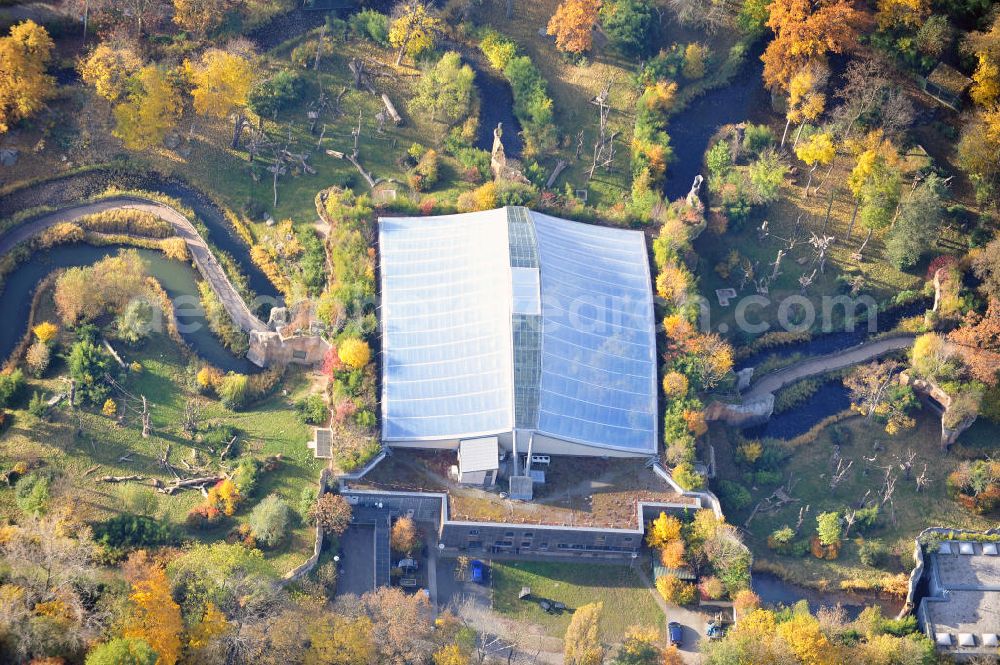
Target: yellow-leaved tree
[(817, 150), (804, 637), (201, 17), (151, 111), (46, 331), (582, 644), (221, 85), (806, 100), (108, 70), (212, 625), (664, 529), (902, 13), (985, 46), (24, 85), (573, 25), (155, 617), (413, 30)]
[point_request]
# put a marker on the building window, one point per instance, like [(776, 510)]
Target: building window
[(562, 546), (600, 540), (627, 539), (528, 534), (299, 355), (473, 532), (525, 543), (509, 534), (543, 546)]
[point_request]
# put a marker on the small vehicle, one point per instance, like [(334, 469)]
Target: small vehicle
[(477, 571), (675, 634), (715, 630)]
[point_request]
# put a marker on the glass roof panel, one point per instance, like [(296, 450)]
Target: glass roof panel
[(446, 355)]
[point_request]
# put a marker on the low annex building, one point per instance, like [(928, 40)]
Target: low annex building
[(513, 324), (961, 611)]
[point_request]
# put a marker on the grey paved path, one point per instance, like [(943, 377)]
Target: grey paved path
[(204, 260), (778, 379)]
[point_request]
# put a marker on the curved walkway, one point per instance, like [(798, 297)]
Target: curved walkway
[(774, 381), (202, 256)]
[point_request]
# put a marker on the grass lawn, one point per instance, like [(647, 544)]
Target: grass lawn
[(73, 442), (627, 601), (810, 467)]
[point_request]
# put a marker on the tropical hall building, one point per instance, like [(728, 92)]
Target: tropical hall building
[(516, 331)]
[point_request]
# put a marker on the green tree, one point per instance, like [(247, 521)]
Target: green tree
[(11, 385), (629, 25), (445, 89), (829, 528), (920, 214), (276, 93), (87, 365), (269, 520), (121, 651), (133, 325)]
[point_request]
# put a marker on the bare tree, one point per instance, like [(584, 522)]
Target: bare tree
[(922, 480)]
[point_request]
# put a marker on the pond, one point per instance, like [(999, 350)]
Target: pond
[(178, 279), (774, 590)]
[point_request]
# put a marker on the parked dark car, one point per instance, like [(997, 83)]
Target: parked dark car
[(477, 571), (675, 634)]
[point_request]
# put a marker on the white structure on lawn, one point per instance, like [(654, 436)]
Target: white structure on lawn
[(512, 324)]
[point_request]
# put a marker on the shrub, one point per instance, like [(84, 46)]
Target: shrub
[(499, 50), (32, 493), (128, 532), (38, 405), (269, 520), (873, 553), (38, 358), (234, 391), (354, 352), (110, 408), (312, 410), (865, 518), (246, 475), (781, 539), (676, 591), (695, 59), (11, 385), (372, 25), (278, 92), (203, 516), (424, 175), (757, 138), (686, 476), (712, 587), (734, 495)]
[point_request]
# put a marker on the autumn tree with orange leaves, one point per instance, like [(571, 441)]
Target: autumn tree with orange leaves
[(804, 32), (573, 25)]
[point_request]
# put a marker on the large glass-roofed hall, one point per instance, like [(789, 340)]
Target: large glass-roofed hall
[(517, 325)]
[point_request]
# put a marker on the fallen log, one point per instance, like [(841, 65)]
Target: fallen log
[(364, 174), (555, 173), (391, 110), (120, 479), (190, 482), (229, 446), (91, 470)]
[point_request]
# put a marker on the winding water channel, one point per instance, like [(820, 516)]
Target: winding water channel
[(178, 279)]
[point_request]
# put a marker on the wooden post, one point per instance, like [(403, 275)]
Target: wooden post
[(145, 418)]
